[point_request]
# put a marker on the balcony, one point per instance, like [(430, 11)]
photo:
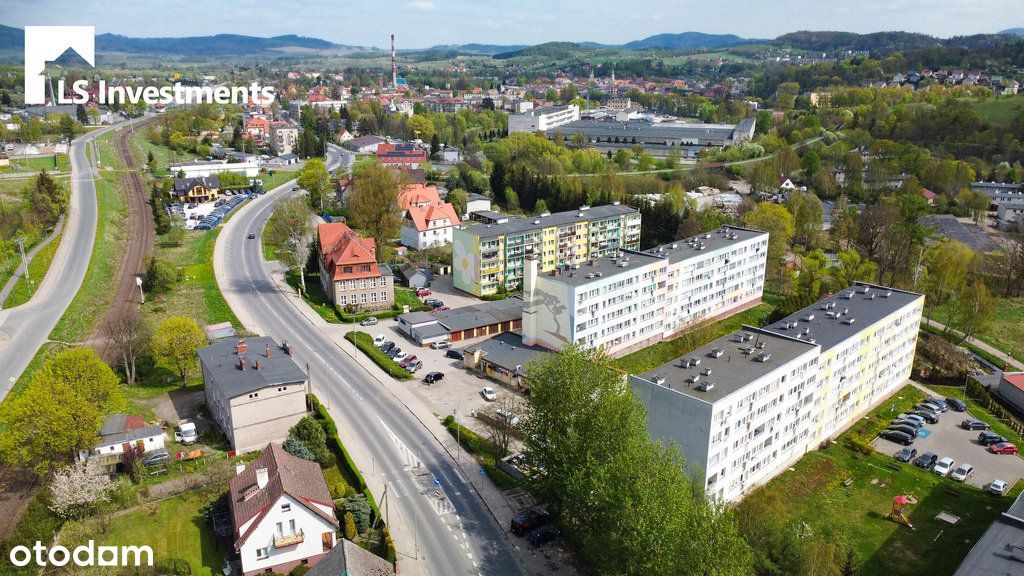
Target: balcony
[(286, 540)]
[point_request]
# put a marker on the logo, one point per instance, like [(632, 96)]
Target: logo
[(47, 43), (83, 556)]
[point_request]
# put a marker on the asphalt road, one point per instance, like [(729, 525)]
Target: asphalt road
[(385, 428), (23, 329)]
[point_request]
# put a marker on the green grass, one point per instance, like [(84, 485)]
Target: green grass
[(662, 352), (37, 270), (365, 343), (37, 163), (1001, 111), (174, 528), (99, 286), (196, 294), (484, 451), (855, 516), (314, 295), (1004, 332)]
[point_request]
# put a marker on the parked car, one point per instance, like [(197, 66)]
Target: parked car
[(442, 309), (512, 419), (400, 356), (186, 432), (1003, 448), (371, 321), (914, 417), (898, 437), (944, 467), (423, 292), (433, 302), (990, 438), (488, 393), (387, 346), (394, 352), (962, 472), (379, 339), (974, 424), (414, 366), (155, 457), (453, 353), (926, 460), (906, 455), (543, 535), (928, 415), (998, 487), (956, 404), (408, 360), (526, 521), (441, 345), (907, 422), (937, 402), (908, 430), (432, 377)]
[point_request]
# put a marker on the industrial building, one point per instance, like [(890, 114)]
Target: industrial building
[(746, 406), (543, 119), (489, 257), (483, 319), (659, 138), (629, 300)]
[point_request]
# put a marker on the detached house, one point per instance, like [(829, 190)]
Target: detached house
[(349, 272), (122, 433), (282, 512), (430, 225), (202, 189)]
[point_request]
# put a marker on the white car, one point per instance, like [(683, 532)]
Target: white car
[(380, 339), (998, 487), (961, 473), (512, 419), (441, 345), (489, 394), (400, 356), (944, 466)]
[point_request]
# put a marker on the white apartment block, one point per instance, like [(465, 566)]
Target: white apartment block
[(628, 300), (744, 407), (543, 119)]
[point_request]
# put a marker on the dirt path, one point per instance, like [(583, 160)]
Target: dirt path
[(17, 487), (141, 234)]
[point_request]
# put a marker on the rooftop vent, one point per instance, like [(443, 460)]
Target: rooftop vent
[(887, 294), (866, 289), (760, 346), (809, 318), (849, 295), (658, 379), (584, 208), (706, 372), (849, 320), (536, 221), (590, 275), (706, 387), (694, 361), (707, 235), (763, 357), (871, 296), (716, 353), (693, 379), (746, 337), (674, 245)]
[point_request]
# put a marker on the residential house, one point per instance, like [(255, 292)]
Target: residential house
[(401, 154), (202, 189), (429, 225), (350, 559), (255, 395), (365, 144), (349, 272), (258, 127), (283, 513), (122, 433), (284, 160), (283, 138), (343, 136), (477, 203)]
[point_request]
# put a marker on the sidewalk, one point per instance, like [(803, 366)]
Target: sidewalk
[(13, 280), (1009, 360)]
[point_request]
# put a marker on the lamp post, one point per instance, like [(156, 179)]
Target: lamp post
[(142, 295)]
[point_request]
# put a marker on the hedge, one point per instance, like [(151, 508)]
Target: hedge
[(365, 343)]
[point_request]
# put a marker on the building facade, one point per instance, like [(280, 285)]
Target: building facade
[(349, 272), (428, 226), (201, 189), (543, 119), (746, 406), (256, 395), (283, 138), (487, 258)]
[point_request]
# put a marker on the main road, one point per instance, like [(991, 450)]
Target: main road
[(450, 536), (23, 329)]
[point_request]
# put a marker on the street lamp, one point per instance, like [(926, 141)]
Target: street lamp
[(138, 282)]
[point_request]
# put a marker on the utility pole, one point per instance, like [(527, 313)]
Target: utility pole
[(24, 263)]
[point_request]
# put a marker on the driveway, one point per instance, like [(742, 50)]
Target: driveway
[(947, 438), (442, 289)]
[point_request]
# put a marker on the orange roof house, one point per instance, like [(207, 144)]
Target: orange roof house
[(349, 272)]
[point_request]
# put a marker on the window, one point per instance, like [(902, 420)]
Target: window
[(341, 300), (347, 269), (383, 296), (263, 553), (362, 298), (286, 507)]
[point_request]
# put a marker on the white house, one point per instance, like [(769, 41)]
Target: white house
[(283, 513), (122, 433), (477, 203), (430, 225)]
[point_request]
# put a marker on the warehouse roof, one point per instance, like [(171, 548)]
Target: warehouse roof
[(507, 351), (1001, 549), (715, 134)]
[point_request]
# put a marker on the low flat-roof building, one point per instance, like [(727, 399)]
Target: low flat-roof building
[(483, 319), (543, 119), (1000, 550), (659, 138), (1011, 390), (503, 358), (201, 168)]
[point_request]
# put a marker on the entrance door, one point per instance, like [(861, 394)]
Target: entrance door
[(328, 540)]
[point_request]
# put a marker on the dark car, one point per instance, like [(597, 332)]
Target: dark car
[(387, 346), (974, 424), (526, 521), (251, 236), (938, 403), (432, 377), (906, 455), (433, 302), (155, 457), (990, 438), (543, 535), (453, 353), (898, 437), (394, 352), (956, 404), (907, 422), (926, 460), (928, 415), (908, 430)]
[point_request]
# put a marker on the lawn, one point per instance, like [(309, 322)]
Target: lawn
[(1005, 330), (196, 294), (666, 351), (174, 528), (10, 203), (37, 163), (1000, 111), (816, 501), (37, 269)]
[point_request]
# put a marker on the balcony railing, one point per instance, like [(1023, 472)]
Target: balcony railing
[(286, 540)]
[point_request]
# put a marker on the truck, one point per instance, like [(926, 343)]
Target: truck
[(186, 432)]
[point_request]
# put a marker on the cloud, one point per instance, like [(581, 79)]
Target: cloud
[(420, 5)]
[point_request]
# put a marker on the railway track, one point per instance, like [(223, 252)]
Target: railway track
[(141, 234)]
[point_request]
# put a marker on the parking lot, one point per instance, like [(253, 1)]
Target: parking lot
[(947, 438), (207, 215)]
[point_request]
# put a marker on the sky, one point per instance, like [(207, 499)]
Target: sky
[(424, 23)]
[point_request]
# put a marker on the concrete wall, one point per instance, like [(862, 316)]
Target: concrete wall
[(266, 416)]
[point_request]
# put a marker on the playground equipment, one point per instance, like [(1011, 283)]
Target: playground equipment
[(899, 512)]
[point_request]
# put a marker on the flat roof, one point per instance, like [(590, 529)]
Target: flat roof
[(222, 362), (1000, 550), (864, 303), (482, 314), (690, 247), (733, 360), (594, 268), (507, 351), (642, 129), (525, 224)]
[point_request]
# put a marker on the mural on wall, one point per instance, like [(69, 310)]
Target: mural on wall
[(555, 308), (464, 263)]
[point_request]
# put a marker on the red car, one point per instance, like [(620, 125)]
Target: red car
[(407, 361), (441, 309), (1003, 448), (423, 292)]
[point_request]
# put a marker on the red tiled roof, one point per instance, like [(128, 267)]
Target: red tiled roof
[(1016, 379), (928, 194), (340, 246), (422, 216), (418, 194)]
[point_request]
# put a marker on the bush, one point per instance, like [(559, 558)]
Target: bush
[(298, 449), (350, 526), (359, 508), (299, 570), (340, 490), (311, 435), (160, 276), (345, 463), (862, 446), (365, 343)]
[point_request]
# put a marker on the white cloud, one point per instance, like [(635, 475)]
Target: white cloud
[(420, 5)]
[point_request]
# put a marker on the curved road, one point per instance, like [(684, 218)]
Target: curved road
[(23, 329), (442, 538)]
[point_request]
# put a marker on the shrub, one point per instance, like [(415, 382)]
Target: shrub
[(311, 434), (340, 490), (299, 570), (350, 526), (862, 446), (298, 449), (365, 343), (160, 276), (360, 510)]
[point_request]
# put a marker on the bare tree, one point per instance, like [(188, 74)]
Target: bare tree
[(1008, 263), (129, 335), (291, 229), (503, 422)]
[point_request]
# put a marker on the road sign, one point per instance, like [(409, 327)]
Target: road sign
[(437, 481), (482, 472)]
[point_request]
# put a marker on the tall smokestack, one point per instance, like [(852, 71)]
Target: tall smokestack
[(394, 67)]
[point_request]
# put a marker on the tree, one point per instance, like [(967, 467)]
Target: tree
[(129, 336), (949, 264), (316, 180), (297, 449), (75, 490), (763, 122), (458, 199), (501, 429), (81, 114), (808, 215), (850, 268), (290, 229), (435, 147), (68, 127), (420, 127), (360, 510), (309, 432), (175, 342), (777, 221), (973, 310), (350, 526), (810, 164), (373, 202), (160, 276), (511, 199)]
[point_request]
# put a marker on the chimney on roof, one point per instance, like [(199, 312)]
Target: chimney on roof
[(241, 362), (268, 351), (262, 478), (241, 347), (257, 363), (239, 468)]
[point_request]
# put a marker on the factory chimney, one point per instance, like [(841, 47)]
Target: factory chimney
[(394, 67)]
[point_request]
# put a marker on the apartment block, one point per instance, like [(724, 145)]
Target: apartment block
[(744, 407), (543, 119), (487, 257), (628, 300)]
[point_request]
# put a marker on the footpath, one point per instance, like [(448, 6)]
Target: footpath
[(13, 280), (1012, 362)]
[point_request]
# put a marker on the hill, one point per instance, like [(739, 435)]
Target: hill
[(885, 42), (220, 45), (485, 49), (556, 50), (1013, 31), (12, 38), (688, 41)]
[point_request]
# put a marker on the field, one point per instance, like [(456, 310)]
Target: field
[(196, 294), (1001, 111), (37, 163), (1005, 332), (844, 497), (37, 269)]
